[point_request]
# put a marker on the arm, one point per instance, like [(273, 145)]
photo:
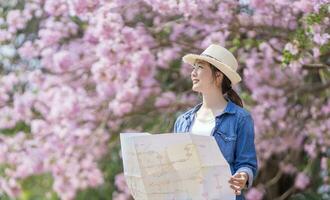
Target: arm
[(175, 127), (245, 154)]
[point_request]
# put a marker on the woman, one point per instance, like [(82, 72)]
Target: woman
[(221, 114)]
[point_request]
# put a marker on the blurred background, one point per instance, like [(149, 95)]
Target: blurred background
[(76, 73)]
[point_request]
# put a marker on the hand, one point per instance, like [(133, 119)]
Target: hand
[(238, 181)]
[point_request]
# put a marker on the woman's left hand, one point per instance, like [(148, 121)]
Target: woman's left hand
[(238, 182)]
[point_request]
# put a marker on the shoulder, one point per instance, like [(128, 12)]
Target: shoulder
[(184, 114), (242, 113), (182, 117), (245, 120), (187, 113)]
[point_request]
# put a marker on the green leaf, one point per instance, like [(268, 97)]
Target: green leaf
[(38, 187), (20, 127)]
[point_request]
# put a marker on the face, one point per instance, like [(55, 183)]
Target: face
[(202, 78)]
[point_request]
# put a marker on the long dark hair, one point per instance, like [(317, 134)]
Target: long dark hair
[(227, 90)]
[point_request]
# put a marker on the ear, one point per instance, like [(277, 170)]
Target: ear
[(218, 74), (217, 79)]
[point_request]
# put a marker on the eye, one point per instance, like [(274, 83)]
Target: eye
[(197, 66)]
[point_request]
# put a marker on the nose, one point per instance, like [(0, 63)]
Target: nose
[(193, 72)]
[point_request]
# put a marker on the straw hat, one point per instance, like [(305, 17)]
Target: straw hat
[(221, 58)]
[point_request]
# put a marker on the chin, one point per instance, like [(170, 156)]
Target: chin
[(196, 89)]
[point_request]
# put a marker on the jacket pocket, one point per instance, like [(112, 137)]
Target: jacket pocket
[(227, 143), (226, 137)]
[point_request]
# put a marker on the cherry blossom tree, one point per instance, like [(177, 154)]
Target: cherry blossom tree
[(75, 73)]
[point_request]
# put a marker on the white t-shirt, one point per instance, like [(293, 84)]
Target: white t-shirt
[(202, 128)]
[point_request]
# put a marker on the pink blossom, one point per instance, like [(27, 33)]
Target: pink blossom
[(316, 52), (254, 194), (185, 70), (56, 8), (219, 37), (49, 37), (293, 49), (288, 168), (120, 109), (11, 187), (63, 61), (166, 55), (304, 6), (82, 6), (301, 181), (15, 20), (122, 196), (258, 3), (165, 99), (121, 183), (95, 178), (311, 149), (5, 35), (321, 38), (28, 50), (324, 163)]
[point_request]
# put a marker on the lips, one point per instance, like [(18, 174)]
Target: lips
[(195, 81)]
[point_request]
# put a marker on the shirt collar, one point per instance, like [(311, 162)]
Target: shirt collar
[(230, 108)]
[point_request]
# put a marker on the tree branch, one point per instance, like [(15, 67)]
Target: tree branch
[(274, 179), (315, 66), (313, 88), (286, 194)]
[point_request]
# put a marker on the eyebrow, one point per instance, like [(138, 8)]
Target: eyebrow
[(199, 62)]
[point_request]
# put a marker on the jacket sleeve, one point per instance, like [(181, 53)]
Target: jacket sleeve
[(176, 126), (245, 154)]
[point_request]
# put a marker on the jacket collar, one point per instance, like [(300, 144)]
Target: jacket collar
[(230, 108)]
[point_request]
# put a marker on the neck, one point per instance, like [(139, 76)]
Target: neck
[(213, 101)]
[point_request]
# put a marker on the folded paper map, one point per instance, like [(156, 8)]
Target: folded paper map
[(175, 167)]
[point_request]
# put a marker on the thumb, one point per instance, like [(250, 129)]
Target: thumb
[(238, 175)]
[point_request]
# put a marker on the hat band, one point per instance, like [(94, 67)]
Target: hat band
[(203, 54)]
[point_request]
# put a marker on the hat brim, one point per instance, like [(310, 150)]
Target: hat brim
[(233, 76)]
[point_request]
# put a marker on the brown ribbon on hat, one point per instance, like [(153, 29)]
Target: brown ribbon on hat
[(203, 54)]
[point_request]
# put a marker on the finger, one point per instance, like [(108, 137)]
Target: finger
[(234, 187), (242, 175), (237, 192), (236, 182), (238, 177)]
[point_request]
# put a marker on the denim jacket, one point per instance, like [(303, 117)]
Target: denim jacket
[(234, 133)]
